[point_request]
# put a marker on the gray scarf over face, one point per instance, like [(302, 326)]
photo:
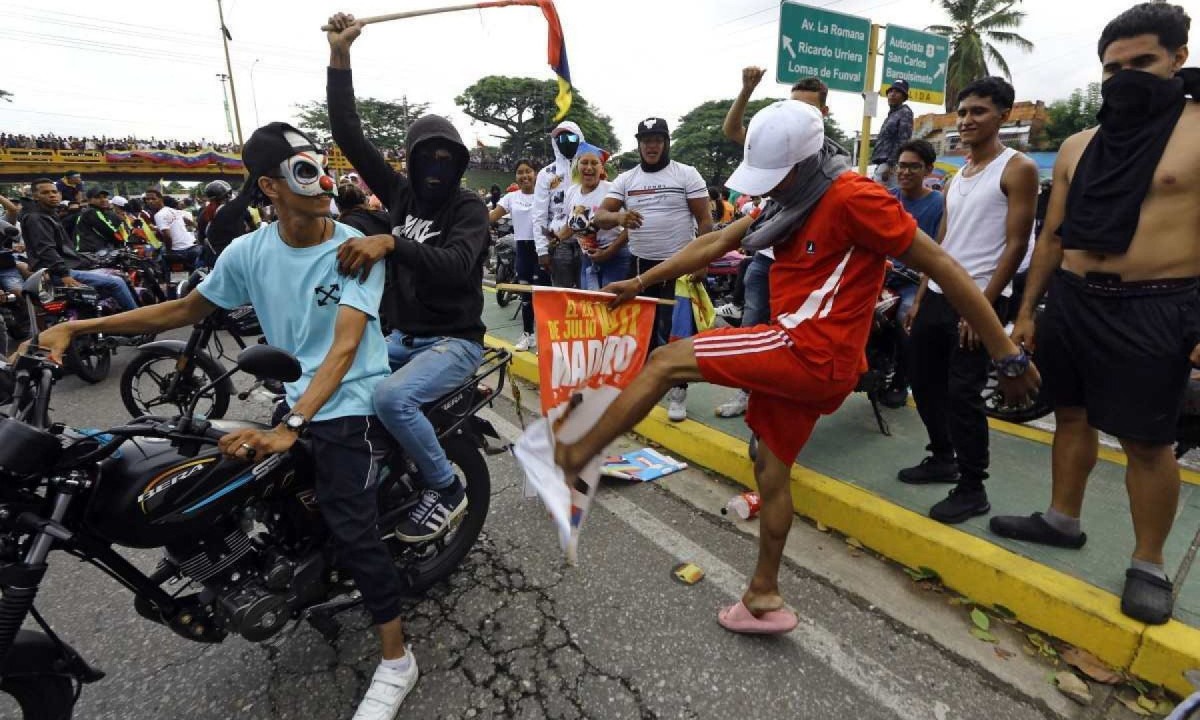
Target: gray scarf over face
[(788, 211)]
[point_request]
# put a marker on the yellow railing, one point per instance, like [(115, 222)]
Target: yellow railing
[(61, 159)]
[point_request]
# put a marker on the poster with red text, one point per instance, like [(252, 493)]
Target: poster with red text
[(587, 353)]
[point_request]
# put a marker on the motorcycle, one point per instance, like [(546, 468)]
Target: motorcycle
[(244, 548), (142, 274), (89, 356), (172, 372), (506, 268)]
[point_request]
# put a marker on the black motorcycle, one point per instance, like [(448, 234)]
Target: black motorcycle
[(506, 269), (172, 373), (89, 356), (244, 546)]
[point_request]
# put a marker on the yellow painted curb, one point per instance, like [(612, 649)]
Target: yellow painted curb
[(1166, 653), (1043, 598)]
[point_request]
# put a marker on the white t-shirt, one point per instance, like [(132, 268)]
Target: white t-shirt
[(520, 208), (662, 200), (584, 205), (172, 221)]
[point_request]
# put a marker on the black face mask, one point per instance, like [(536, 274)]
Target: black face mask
[(1133, 97), (445, 172), (567, 143), (663, 160)]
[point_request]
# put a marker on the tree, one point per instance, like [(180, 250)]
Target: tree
[(5, 95), (699, 141), (523, 108), (976, 26), (1076, 113), (385, 122)]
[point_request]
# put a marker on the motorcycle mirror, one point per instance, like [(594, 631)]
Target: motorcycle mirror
[(33, 284), (269, 362), (31, 289)]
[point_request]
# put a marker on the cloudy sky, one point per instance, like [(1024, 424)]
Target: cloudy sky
[(150, 68)]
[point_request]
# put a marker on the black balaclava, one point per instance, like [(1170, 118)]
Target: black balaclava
[(424, 168), (663, 161), (567, 143)]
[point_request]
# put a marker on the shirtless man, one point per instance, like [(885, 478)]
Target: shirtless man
[(1122, 326)]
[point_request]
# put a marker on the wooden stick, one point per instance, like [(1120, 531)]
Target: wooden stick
[(515, 287), (432, 11)]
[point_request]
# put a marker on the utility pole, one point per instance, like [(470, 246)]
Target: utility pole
[(225, 97), (229, 68)]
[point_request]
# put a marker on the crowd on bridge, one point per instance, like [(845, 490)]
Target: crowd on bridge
[(102, 143)]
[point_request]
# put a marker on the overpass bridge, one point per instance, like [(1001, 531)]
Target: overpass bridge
[(145, 166)]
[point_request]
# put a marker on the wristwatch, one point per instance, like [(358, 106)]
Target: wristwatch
[(1012, 366), (295, 422)]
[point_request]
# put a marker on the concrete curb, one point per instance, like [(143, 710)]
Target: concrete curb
[(1041, 597)]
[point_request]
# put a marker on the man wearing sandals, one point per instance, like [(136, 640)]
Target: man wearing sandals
[(1118, 253), (832, 231)]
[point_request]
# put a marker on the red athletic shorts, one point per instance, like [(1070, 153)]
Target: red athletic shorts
[(787, 392)]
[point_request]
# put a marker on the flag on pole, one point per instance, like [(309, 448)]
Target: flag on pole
[(557, 49)]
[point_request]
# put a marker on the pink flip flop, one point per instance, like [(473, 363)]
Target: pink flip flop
[(738, 618)]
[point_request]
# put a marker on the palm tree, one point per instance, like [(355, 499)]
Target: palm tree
[(976, 25)]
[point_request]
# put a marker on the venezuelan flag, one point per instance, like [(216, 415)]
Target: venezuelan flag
[(557, 50)]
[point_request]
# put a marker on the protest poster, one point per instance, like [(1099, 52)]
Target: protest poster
[(587, 354)]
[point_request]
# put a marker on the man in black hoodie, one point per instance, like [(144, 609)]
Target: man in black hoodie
[(433, 302), (49, 246)]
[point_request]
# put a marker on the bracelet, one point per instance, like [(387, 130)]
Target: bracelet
[(641, 287)]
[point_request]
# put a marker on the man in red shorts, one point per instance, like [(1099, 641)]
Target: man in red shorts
[(832, 231)]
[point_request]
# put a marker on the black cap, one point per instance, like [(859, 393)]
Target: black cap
[(652, 126), (270, 145), (96, 192), (69, 173), (901, 85)]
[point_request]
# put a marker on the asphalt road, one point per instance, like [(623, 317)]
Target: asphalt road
[(517, 634)]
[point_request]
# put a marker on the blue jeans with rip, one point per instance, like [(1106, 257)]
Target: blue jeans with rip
[(424, 369), (109, 285)]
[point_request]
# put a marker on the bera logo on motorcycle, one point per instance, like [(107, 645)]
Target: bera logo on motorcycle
[(165, 481)]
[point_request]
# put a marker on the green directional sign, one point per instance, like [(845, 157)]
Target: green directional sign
[(918, 57), (824, 44)]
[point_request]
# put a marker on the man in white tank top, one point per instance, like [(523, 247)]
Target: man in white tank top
[(989, 214)]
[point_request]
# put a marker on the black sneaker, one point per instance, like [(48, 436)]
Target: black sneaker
[(961, 505), (933, 469), (433, 513)]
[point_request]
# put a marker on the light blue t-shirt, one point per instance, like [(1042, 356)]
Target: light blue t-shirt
[(296, 293)]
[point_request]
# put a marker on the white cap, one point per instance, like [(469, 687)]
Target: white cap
[(780, 135), (119, 201)]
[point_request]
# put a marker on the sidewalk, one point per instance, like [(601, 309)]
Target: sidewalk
[(845, 478)]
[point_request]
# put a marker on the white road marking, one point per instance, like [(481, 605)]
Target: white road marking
[(877, 681)]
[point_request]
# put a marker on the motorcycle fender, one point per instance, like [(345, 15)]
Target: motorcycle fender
[(33, 653), (166, 347), (484, 428)]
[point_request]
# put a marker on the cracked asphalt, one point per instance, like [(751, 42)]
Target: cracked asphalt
[(516, 634)]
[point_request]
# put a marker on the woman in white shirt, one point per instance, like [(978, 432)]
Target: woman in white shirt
[(605, 255), (519, 204)]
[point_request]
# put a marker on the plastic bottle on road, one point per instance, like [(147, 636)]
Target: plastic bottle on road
[(745, 505)]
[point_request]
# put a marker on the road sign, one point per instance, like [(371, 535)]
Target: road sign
[(918, 57), (828, 45)]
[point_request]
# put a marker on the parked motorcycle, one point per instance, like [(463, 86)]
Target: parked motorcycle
[(506, 268), (243, 544)]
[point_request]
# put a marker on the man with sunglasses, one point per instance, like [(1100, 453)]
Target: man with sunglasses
[(330, 322), (434, 299)]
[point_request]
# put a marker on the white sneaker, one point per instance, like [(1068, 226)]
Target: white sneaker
[(527, 342), (387, 691), (734, 406), (729, 310), (677, 404)]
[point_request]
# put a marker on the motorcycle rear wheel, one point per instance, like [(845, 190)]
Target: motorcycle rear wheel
[(41, 697), (431, 562), (996, 407), (504, 274), (88, 359)]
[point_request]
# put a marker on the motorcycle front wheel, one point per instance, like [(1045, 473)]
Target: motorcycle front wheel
[(146, 385), (40, 697), (426, 564), (89, 358), (997, 407)]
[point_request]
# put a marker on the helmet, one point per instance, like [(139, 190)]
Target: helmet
[(217, 190)]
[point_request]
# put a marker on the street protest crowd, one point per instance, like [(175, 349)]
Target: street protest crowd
[(1115, 260)]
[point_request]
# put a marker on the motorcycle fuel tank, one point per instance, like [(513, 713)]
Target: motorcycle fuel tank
[(151, 494)]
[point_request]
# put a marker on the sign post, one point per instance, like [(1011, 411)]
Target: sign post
[(920, 58), (864, 142), (818, 43)]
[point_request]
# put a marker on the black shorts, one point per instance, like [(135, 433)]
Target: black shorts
[(1120, 351)]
